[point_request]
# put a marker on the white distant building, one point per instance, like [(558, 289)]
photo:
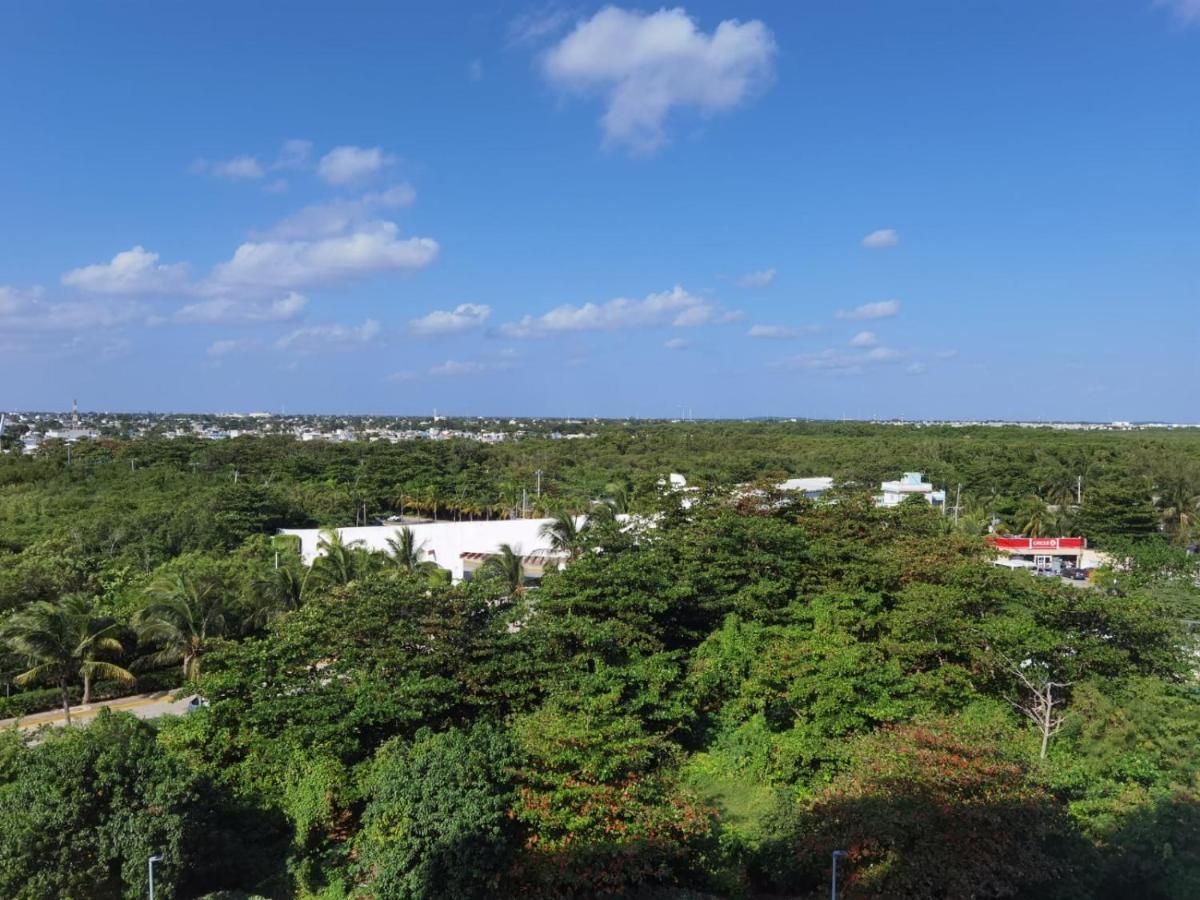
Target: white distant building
[(912, 483), (448, 544), (812, 488)]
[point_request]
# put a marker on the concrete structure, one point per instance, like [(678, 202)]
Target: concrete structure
[(444, 543), (896, 492), (812, 488)]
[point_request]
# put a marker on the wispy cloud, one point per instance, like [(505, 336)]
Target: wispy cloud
[(884, 309), (648, 65), (757, 279), (864, 339), (331, 337), (675, 307), (133, 271), (1185, 11), (453, 368), (218, 349), (323, 219), (228, 310), (842, 362), (536, 25), (881, 239), (30, 311), (348, 164), (779, 332), (677, 343), (464, 317)]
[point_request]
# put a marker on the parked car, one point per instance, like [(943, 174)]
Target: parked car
[(196, 703), (1081, 574)]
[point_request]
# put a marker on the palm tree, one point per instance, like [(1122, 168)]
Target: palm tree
[(277, 591), (340, 561), (1032, 516), (564, 533), (405, 553), (183, 618), (506, 565), (1178, 502), (62, 641)]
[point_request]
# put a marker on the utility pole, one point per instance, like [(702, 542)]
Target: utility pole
[(1079, 490), (538, 473), (837, 854), (156, 858), (524, 503), (957, 504)]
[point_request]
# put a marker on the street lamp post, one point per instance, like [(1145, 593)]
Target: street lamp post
[(833, 890), (155, 858)]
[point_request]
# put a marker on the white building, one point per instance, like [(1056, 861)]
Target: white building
[(896, 492), (812, 488), (443, 543)]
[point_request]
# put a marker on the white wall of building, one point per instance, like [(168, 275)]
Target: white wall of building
[(442, 542)]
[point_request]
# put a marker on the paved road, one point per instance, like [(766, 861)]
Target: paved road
[(144, 706)]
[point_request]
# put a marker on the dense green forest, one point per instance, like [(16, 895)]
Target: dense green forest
[(705, 702)]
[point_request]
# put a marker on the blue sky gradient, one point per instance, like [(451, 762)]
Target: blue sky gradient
[(705, 176)]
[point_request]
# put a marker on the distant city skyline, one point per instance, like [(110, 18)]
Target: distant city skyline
[(821, 210)]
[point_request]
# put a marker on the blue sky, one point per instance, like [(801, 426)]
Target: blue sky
[(841, 208)]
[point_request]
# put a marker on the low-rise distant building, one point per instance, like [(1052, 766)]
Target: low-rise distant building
[(812, 488), (910, 485), (451, 545)]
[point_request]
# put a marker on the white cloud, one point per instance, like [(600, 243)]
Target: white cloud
[(884, 309), (881, 239), (915, 368), (232, 345), (779, 332), (329, 337), (674, 307), (947, 354), (453, 368), (677, 343), (475, 70), (322, 219), (840, 361), (238, 168), (230, 310), (757, 279), (30, 311), (400, 377), (1185, 11), (464, 317), (294, 154), (374, 247), (535, 25), (646, 65), (346, 164), (864, 339), (134, 271)]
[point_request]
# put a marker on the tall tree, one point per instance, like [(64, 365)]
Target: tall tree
[(62, 641), (340, 561), (185, 615), (507, 566), (405, 553), (564, 532)]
